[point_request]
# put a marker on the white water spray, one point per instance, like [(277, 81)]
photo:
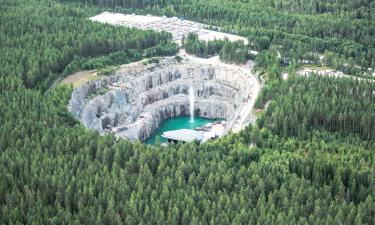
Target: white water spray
[(191, 101)]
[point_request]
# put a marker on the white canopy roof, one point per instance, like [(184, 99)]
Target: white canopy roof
[(183, 135)]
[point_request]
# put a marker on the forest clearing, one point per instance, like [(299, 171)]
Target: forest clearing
[(179, 28), (80, 78)]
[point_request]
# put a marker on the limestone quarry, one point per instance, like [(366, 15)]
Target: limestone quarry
[(132, 102)]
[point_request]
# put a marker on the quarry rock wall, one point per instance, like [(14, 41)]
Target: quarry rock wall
[(137, 97)]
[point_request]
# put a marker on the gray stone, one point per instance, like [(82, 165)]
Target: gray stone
[(140, 96)]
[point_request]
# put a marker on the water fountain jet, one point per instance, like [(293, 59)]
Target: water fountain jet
[(191, 101)]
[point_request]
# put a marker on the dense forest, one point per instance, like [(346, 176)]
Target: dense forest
[(301, 104), (39, 40), (309, 159), (343, 28), (56, 172), (200, 48), (228, 51)]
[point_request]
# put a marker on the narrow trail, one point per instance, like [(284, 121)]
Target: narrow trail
[(54, 84)]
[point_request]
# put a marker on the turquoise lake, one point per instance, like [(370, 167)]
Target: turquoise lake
[(182, 122)]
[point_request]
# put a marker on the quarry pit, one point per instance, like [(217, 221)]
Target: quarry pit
[(137, 97)]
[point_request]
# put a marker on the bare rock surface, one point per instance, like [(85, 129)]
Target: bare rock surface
[(137, 97)]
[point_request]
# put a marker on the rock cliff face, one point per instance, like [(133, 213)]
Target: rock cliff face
[(138, 97)]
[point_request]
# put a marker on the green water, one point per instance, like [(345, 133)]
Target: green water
[(182, 122)]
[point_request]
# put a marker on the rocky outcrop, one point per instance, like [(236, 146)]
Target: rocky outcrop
[(137, 97)]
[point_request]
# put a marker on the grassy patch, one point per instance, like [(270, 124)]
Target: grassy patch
[(79, 78), (107, 70), (150, 61), (98, 92), (315, 67)]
